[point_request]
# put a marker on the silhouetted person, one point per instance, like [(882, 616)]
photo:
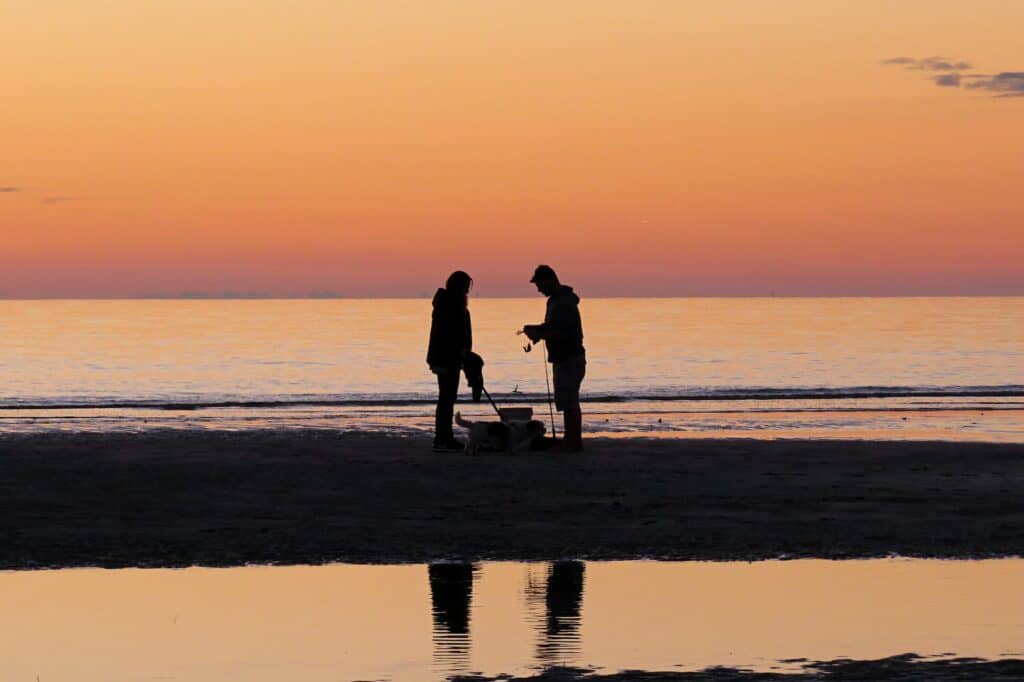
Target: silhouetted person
[(562, 332), (451, 593), (562, 601), (451, 340)]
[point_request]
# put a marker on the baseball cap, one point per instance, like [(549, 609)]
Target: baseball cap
[(543, 272)]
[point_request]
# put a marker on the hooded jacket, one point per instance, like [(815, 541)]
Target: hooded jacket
[(451, 331), (563, 315)]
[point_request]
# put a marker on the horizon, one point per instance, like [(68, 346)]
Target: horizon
[(425, 296)]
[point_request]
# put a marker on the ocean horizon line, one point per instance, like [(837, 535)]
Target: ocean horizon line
[(423, 296)]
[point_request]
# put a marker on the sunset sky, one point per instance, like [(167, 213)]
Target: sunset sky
[(805, 147)]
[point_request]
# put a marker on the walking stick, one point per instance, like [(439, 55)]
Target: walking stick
[(551, 403), (547, 382)]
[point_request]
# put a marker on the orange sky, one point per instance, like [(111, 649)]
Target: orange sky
[(368, 148)]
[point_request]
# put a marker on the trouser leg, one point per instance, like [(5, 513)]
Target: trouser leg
[(568, 377), (573, 435), (447, 392)]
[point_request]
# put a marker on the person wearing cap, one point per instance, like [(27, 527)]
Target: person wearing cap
[(562, 332)]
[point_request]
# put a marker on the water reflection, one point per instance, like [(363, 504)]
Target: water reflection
[(451, 593), (344, 622), (174, 352), (553, 594), (558, 635)]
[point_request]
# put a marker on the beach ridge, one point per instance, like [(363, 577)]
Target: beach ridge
[(174, 498)]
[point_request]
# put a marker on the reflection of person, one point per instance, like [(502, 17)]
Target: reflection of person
[(451, 590), (451, 339), (562, 332), (562, 600), (451, 593), (564, 595)]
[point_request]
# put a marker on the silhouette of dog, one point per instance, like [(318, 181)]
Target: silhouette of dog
[(499, 436)]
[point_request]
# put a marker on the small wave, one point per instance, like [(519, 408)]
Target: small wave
[(402, 400), (846, 393)]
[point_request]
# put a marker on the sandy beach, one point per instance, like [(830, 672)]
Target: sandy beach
[(220, 499)]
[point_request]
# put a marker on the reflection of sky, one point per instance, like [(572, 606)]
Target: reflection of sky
[(264, 624), (957, 419), (201, 351)]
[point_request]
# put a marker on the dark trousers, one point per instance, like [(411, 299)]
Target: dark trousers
[(447, 392)]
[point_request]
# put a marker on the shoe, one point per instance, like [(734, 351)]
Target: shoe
[(452, 445)]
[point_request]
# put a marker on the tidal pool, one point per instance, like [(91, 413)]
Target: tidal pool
[(417, 622)]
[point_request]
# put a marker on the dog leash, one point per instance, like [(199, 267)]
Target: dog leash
[(491, 401)]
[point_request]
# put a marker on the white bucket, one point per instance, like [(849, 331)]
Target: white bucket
[(516, 414)]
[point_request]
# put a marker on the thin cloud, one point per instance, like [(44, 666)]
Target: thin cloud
[(9, 190), (1005, 84), (49, 201), (898, 61), (950, 74), (928, 63)]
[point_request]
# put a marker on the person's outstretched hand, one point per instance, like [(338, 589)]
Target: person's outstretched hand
[(532, 332)]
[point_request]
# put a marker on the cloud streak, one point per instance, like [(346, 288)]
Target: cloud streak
[(1005, 84), (948, 80), (950, 74), (928, 63), (46, 200)]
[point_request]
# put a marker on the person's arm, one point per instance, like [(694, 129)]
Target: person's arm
[(557, 325), (545, 330)]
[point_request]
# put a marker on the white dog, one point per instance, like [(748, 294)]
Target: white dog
[(499, 436)]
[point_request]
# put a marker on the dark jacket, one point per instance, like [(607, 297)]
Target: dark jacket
[(451, 331), (563, 316)]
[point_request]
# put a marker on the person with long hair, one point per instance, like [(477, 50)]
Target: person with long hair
[(451, 340)]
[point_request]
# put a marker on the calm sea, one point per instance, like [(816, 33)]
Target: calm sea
[(943, 368)]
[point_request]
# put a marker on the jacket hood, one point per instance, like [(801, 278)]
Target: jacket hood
[(565, 293), (446, 299)]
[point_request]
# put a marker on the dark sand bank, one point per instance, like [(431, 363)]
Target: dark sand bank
[(896, 668), (214, 498)]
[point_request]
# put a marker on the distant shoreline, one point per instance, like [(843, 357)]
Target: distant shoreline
[(524, 297), (300, 497)]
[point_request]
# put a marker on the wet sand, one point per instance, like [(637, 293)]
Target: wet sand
[(896, 668), (218, 499)]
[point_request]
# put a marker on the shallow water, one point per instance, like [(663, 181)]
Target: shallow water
[(415, 622), (931, 368), (929, 419)]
